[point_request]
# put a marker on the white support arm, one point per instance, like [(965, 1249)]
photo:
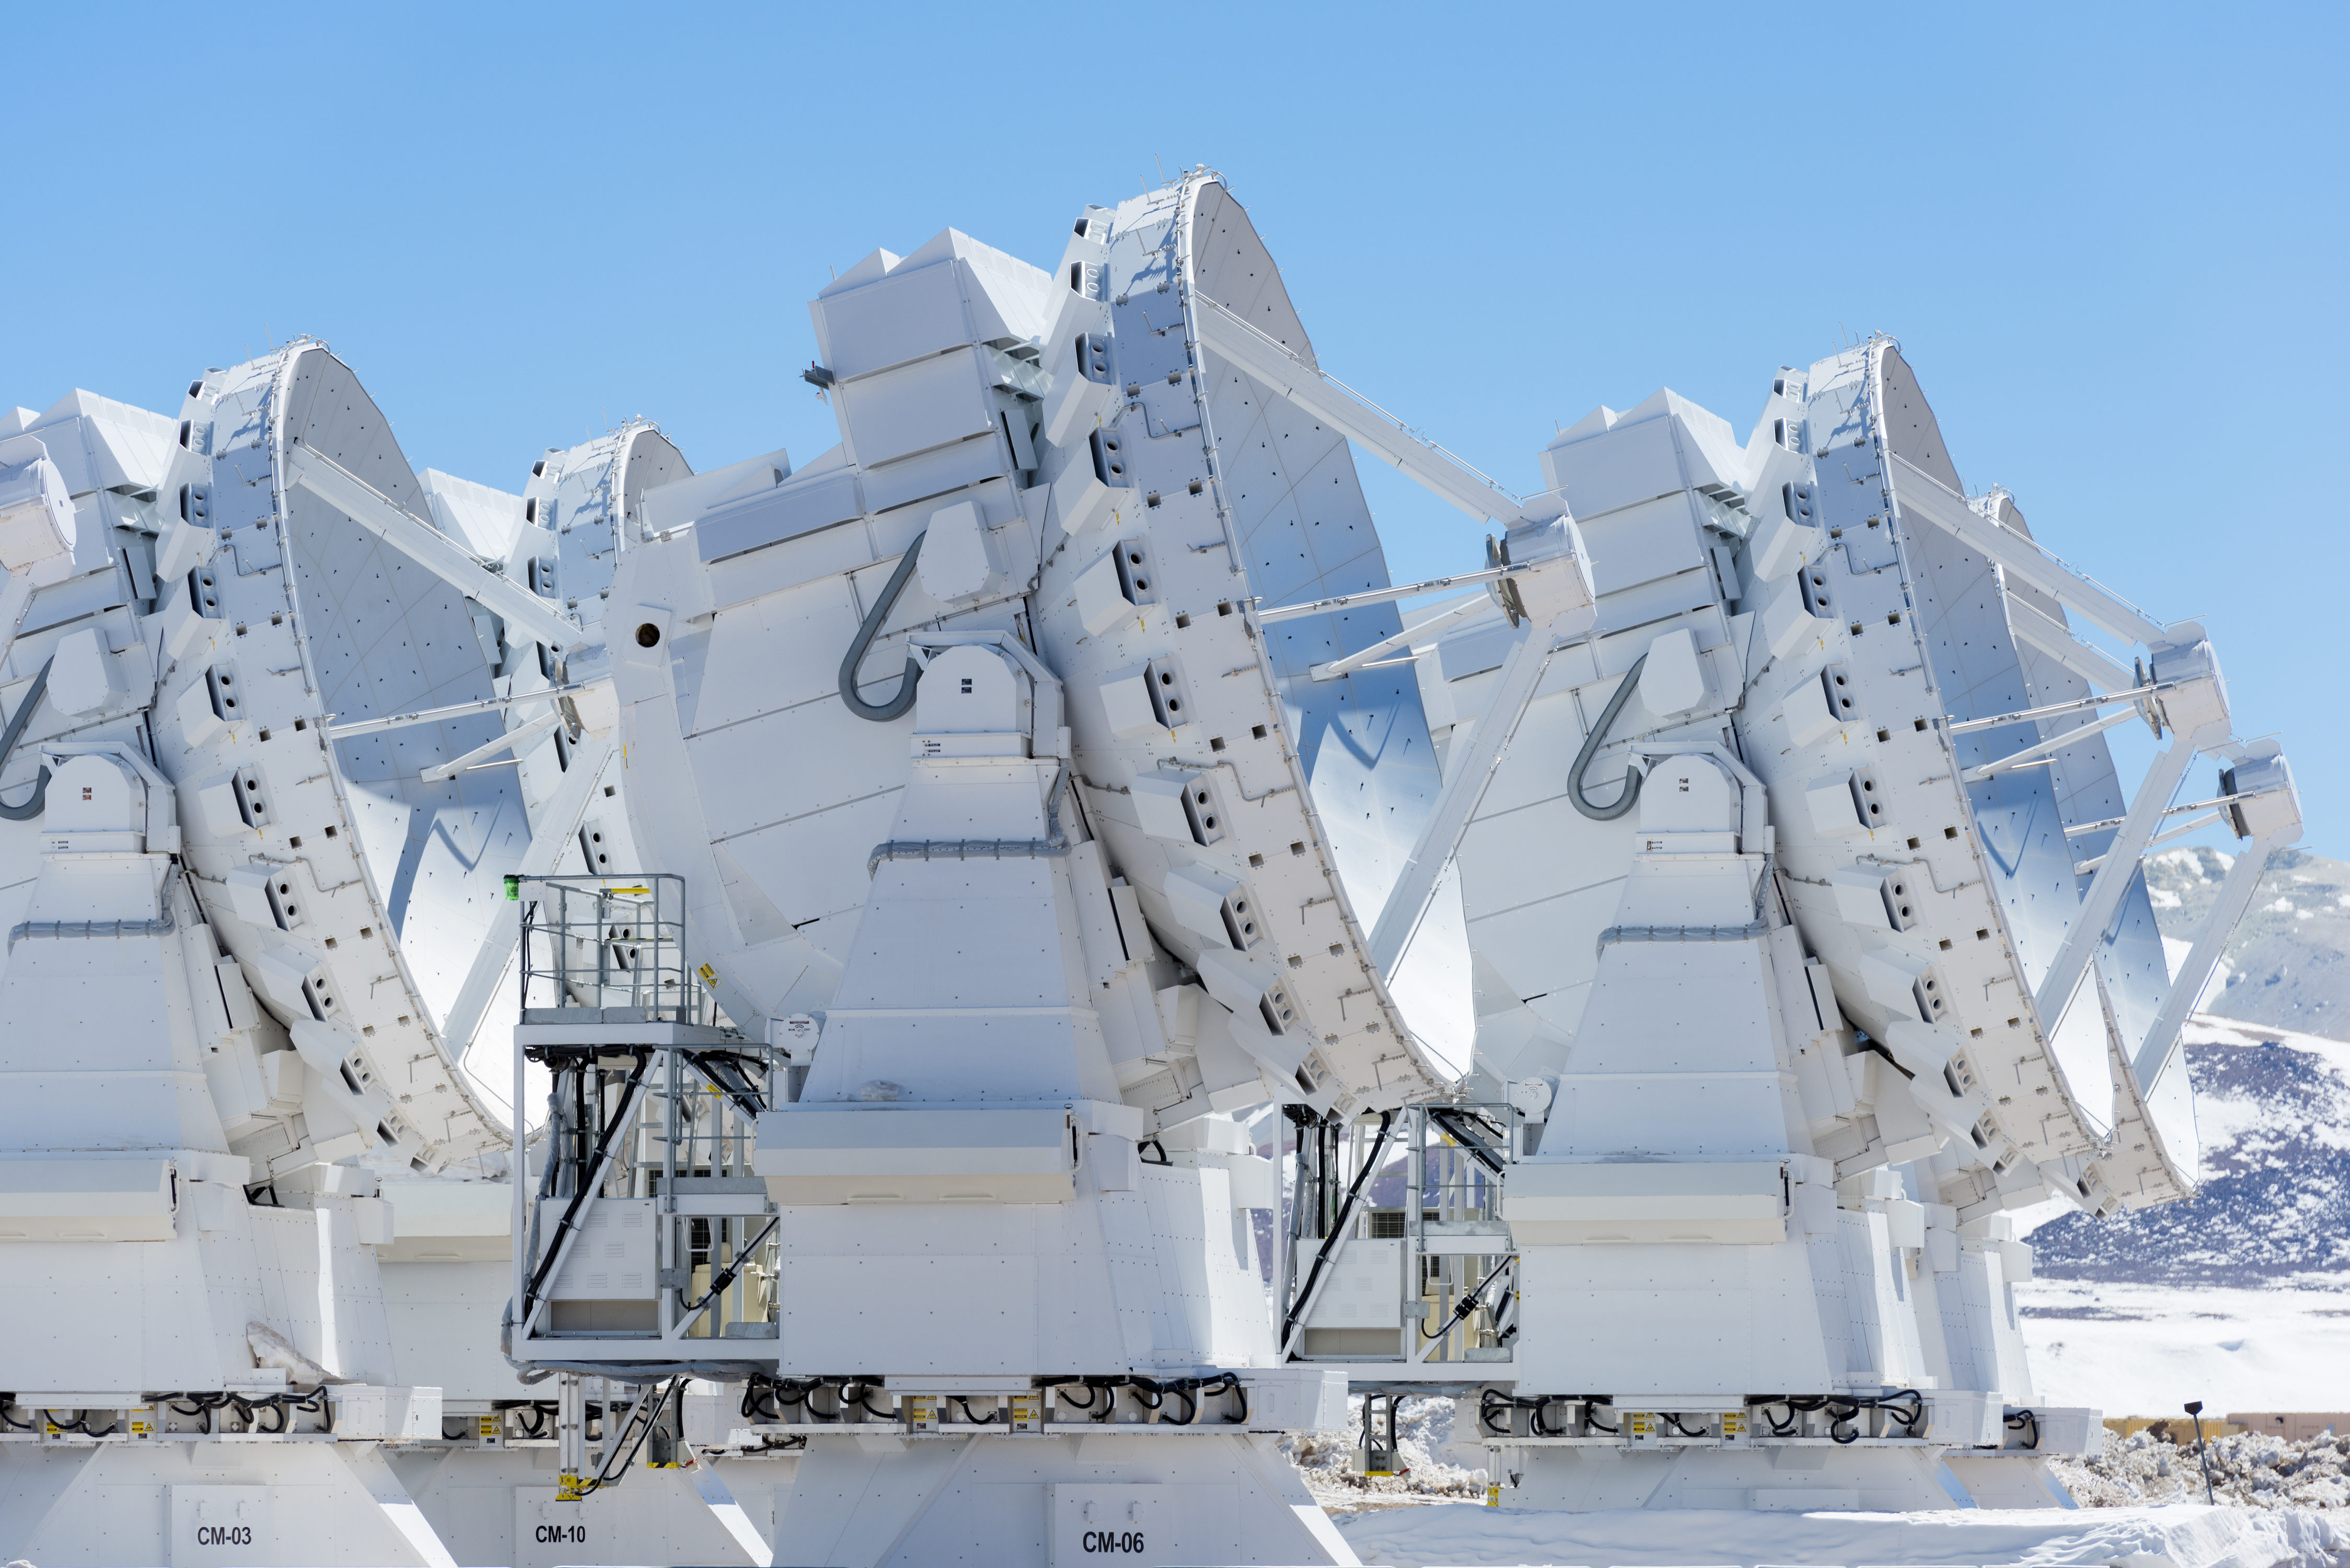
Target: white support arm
[(2058, 643), (1386, 595), (2053, 744), (557, 825), (1928, 499), (2236, 892), (514, 741), (1404, 638), (1464, 785), (2126, 694), (2121, 862), (381, 515), (456, 710), (2192, 825), (1282, 373)]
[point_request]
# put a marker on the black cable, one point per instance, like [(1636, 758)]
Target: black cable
[(785, 1391), (1914, 1417), (80, 1423), (1458, 1122), (1049, 1384), (570, 1220), (197, 1406), (1345, 1217), (1228, 1383), (741, 1256), (987, 1420), (1467, 1304), (747, 1099), (2022, 1418), (651, 1414)]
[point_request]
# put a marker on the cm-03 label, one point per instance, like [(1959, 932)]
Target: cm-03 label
[(223, 1535)]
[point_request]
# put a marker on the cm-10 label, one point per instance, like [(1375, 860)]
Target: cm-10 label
[(1113, 1541), (562, 1534)]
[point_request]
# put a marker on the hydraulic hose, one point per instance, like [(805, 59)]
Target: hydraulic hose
[(882, 712), (1291, 1323), (31, 809), (1623, 803)]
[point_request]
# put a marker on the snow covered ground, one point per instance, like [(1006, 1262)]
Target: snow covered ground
[(2282, 1505), (2239, 1296), (2186, 1536), (2144, 1350)]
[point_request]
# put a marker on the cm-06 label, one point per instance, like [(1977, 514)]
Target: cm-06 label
[(1114, 1541)]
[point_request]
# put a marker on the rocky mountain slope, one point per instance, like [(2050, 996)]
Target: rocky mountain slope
[(2271, 1095), (2273, 1109), (2288, 964)]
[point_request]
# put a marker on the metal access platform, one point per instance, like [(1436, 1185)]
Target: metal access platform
[(645, 1239)]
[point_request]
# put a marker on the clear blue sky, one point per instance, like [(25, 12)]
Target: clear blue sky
[(2110, 239)]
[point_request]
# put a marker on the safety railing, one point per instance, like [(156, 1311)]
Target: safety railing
[(608, 943)]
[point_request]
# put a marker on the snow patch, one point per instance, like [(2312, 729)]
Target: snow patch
[(2186, 1536), (2251, 1469), (1424, 1441), (2144, 1350)]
